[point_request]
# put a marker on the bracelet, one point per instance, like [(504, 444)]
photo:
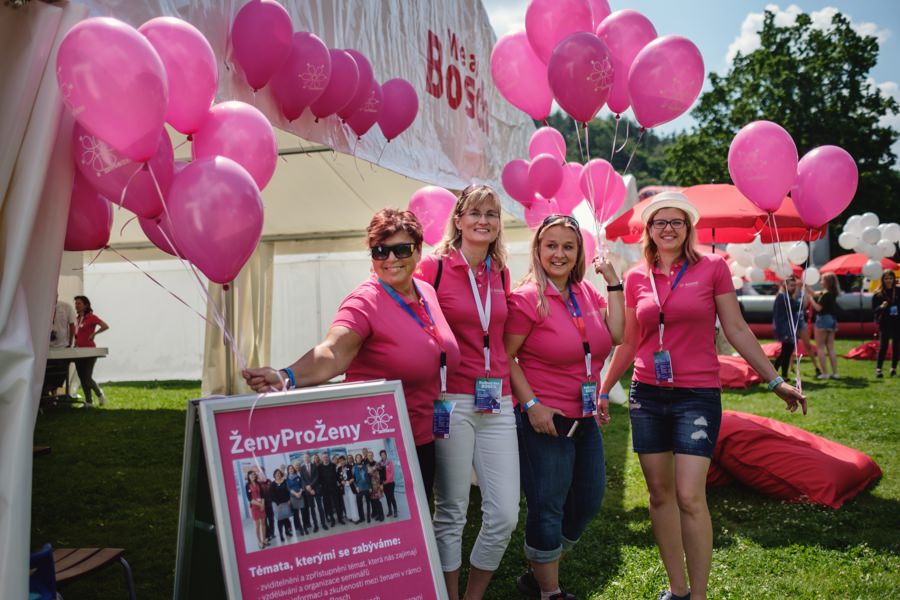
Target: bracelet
[(530, 404), (604, 396), (775, 383), (291, 378), (615, 288)]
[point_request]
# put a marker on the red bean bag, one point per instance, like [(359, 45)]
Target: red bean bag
[(789, 463), (735, 372), (717, 476), (773, 349), (866, 351)]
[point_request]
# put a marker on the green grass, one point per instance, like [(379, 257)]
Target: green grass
[(114, 474)]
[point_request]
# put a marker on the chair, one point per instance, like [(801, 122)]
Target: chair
[(42, 578), (68, 564)]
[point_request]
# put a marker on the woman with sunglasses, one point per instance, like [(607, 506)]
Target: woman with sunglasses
[(389, 327), (671, 303), (558, 334), (468, 270)]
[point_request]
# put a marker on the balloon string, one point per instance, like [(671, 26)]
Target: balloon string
[(612, 151), (578, 137), (183, 142), (356, 159), (794, 324), (96, 256), (627, 135), (636, 146), (122, 230), (128, 183)]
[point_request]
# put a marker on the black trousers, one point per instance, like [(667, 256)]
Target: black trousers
[(889, 333), (85, 369), (784, 357), (389, 496)]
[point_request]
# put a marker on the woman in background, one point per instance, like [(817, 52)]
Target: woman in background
[(295, 488), (87, 327), (363, 486), (824, 303), (281, 499), (886, 303), (257, 507)]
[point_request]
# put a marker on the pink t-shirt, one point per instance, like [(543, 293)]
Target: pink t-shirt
[(84, 328), (552, 355), (690, 320), (396, 347), (458, 305)]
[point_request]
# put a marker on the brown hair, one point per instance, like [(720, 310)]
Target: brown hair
[(830, 283), (390, 221), (87, 304), (536, 270), (474, 196), (884, 274), (688, 249)]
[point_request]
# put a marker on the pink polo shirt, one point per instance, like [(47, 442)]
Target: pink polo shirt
[(396, 347), (552, 355), (458, 305), (690, 325)]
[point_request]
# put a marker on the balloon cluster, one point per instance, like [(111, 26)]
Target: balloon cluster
[(302, 72), (757, 262), (547, 184), (122, 85), (863, 234), (583, 56)]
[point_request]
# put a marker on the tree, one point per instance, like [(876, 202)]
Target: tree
[(814, 83)]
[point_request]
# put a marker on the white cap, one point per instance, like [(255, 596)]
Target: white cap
[(670, 200)]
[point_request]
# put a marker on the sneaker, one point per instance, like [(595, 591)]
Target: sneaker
[(835, 376), (822, 376), (528, 585), (668, 595), (102, 398), (893, 372), (878, 374)]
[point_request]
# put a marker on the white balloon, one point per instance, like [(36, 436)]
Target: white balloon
[(798, 253), (868, 219), (854, 225), (784, 271), (871, 235), (762, 260), (872, 269), (756, 275), (847, 240), (872, 251), (756, 245), (732, 249), (737, 282), (887, 248), (811, 276), (744, 258), (737, 270), (892, 232)]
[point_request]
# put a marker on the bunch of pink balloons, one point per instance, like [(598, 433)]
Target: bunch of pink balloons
[(583, 56)]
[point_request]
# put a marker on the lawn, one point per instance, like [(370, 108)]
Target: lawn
[(113, 479)]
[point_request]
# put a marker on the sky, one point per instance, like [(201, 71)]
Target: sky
[(720, 28)]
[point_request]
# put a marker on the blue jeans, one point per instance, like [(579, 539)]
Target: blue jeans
[(671, 419), (564, 480)]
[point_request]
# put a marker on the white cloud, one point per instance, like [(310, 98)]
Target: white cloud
[(506, 19), (748, 39)]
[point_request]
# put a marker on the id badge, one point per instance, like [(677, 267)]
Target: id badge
[(892, 311), (487, 394), (589, 399), (440, 422), (662, 365)]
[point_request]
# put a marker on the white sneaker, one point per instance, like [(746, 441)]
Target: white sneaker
[(835, 376), (102, 399), (822, 376)]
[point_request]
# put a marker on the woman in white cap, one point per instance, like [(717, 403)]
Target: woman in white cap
[(672, 300)]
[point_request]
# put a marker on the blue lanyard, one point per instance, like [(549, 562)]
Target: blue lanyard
[(575, 312), (662, 316)]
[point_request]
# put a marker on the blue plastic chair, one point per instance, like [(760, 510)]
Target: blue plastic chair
[(42, 580)]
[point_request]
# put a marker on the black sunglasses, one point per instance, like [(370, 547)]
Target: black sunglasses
[(382, 251), (569, 219)]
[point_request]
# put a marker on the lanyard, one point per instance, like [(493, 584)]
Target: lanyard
[(484, 310), (431, 328), (662, 316), (578, 320)]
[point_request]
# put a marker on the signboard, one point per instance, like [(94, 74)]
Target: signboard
[(390, 557)]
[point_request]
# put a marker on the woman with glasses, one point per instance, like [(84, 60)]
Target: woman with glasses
[(389, 327), (468, 271), (558, 335), (671, 304)]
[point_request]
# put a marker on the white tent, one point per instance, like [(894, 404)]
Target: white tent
[(320, 195)]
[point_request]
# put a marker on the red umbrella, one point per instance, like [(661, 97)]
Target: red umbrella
[(853, 264), (726, 216)]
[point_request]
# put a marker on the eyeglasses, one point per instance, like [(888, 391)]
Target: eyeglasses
[(568, 218), (660, 224), (491, 215), (382, 251)]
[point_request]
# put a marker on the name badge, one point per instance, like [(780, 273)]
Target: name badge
[(440, 422), (589, 399), (487, 394), (892, 311), (662, 365)]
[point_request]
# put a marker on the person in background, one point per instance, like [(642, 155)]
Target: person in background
[(786, 315), (672, 300), (886, 304), (387, 467), (62, 331), (363, 486), (558, 335), (295, 487), (312, 488), (257, 507), (348, 489), (824, 304), (376, 490), (331, 490), (87, 327), (803, 329), (389, 327), (468, 270), (281, 501)]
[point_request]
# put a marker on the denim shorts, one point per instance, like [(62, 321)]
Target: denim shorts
[(826, 323), (671, 419)]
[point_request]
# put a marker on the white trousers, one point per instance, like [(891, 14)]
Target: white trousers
[(488, 443)]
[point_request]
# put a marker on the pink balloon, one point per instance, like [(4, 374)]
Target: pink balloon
[(109, 172), (545, 175), (341, 86), (569, 195), (520, 76), (664, 80), (362, 120), (762, 160), (90, 218), (590, 246), (261, 38), (217, 216), (191, 71), (432, 206), (515, 182), (159, 233), (548, 22), (547, 140), (399, 107), (603, 188), (540, 210), (581, 74), (114, 83), (242, 133), (303, 76), (363, 86), (599, 11), (826, 183), (624, 32)]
